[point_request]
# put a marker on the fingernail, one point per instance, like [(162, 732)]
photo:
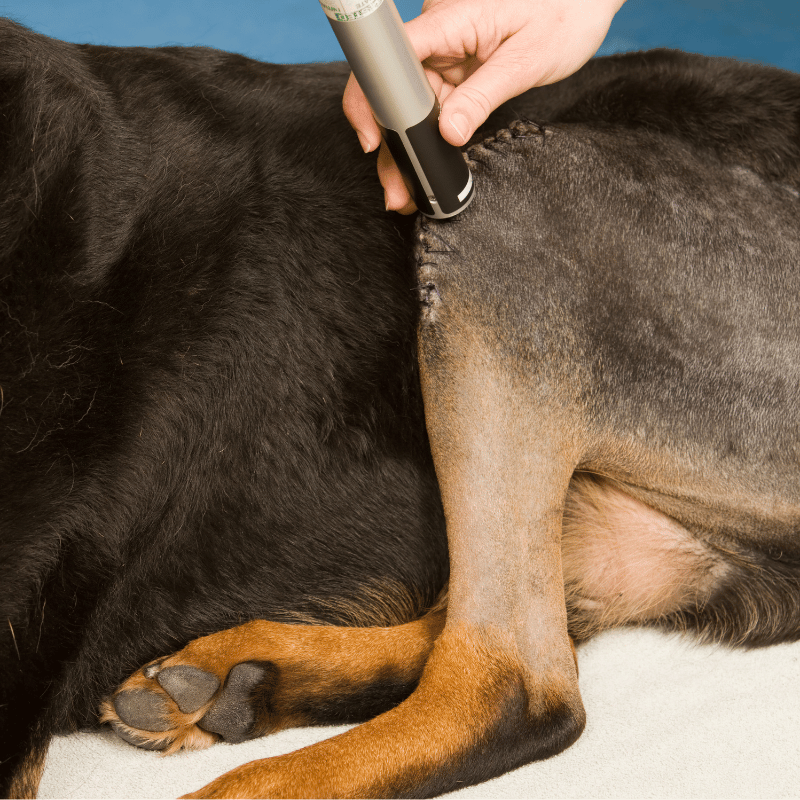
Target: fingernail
[(362, 140), (460, 125)]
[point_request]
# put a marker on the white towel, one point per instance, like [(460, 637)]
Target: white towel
[(667, 718)]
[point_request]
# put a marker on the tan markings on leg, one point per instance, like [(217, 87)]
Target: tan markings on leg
[(504, 461), (504, 455), (471, 688), (25, 783), (325, 654), (625, 562), (315, 664)]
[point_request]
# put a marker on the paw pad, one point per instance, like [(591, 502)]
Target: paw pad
[(232, 716), (191, 688), (142, 710), (182, 706)]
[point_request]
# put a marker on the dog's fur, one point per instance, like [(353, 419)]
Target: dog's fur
[(210, 403)]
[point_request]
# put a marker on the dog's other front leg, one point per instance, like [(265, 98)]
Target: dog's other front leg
[(500, 687)]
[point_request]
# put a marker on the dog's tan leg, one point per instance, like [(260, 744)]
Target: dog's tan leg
[(262, 677), (500, 688), (470, 719), (504, 468)]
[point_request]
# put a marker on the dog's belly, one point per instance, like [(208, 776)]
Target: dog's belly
[(752, 502), (726, 511), (627, 561)]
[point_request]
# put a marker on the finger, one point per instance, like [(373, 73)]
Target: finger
[(394, 187), (434, 79), (503, 76), (439, 33), (359, 115)]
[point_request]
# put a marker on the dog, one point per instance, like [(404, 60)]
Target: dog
[(348, 466)]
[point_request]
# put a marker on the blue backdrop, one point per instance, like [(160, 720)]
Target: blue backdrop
[(296, 30)]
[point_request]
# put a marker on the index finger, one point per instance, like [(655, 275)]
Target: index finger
[(359, 115)]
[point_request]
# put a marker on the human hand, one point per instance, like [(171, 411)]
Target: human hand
[(477, 55)]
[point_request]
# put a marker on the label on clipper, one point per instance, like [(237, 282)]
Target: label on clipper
[(349, 10)]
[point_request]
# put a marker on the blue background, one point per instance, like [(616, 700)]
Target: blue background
[(296, 30)]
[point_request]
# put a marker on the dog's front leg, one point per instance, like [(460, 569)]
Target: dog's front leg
[(500, 688), (504, 459)]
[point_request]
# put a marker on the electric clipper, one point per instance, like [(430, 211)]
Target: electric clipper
[(387, 69)]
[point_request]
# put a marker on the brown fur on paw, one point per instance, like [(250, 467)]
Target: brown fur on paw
[(159, 706), (262, 677)]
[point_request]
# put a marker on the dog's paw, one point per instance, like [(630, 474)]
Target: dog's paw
[(169, 705)]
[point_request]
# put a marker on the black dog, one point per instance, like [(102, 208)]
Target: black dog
[(211, 413)]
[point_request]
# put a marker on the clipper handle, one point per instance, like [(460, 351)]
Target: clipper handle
[(389, 73)]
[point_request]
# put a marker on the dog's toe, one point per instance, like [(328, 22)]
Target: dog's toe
[(191, 688), (232, 716), (171, 705), (142, 710), (158, 707)]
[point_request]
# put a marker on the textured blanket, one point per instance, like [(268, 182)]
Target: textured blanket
[(666, 718)]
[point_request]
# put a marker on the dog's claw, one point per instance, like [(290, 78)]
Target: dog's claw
[(191, 688), (232, 716), (142, 710), (151, 670)]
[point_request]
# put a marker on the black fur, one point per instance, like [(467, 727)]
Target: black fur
[(210, 410), (354, 702)]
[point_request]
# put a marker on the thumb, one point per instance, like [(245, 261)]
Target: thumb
[(504, 75)]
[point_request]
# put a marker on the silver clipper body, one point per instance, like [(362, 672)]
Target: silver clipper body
[(387, 69)]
